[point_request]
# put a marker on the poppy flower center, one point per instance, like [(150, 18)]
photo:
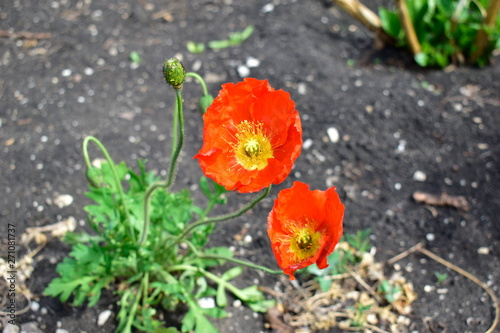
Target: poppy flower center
[(252, 147), (304, 240)]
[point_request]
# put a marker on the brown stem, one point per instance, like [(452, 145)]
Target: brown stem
[(482, 37), (368, 18), (411, 36), (25, 35)]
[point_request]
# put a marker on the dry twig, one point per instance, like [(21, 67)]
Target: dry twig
[(420, 248), (25, 35)]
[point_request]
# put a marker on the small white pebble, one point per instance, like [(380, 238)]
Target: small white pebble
[(333, 134), (419, 176), (103, 317), (243, 71), (307, 144), (63, 200), (35, 306), (428, 288), (302, 88), (206, 303), (66, 72), (237, 303), (88, 71), (483, 146), (252, 62), (483, 250), (430, 237), (397, 186), (268, 8)]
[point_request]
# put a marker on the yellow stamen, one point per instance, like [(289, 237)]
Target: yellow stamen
[(252, 147), (304, 240)]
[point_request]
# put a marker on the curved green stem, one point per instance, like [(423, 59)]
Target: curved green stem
[(178, 141), (131, 315), (220, 218), (113, 171), (200, 79), (230, 259)]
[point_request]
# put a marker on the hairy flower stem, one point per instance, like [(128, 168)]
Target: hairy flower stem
[(200, 80), (236, 261), (177, 142), (113, 171), (131, 315), (220, 218)]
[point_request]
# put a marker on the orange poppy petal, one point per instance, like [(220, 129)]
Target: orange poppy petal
[(252, 136), (304, 227)]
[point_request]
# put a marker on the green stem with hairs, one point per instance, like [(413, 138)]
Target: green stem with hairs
[(230, 259), (113, 171), (200, 79), (178, 141), (220, 218)]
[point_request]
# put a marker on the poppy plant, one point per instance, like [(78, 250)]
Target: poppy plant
[(252, 136), (304, 227)]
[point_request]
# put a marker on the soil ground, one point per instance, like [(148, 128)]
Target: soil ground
[(401, 129)]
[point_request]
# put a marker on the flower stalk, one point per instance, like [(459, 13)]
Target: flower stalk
[(117, 181), (177, 143)]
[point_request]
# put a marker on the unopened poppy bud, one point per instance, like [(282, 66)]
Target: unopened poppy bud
[(174, 73), (205, 102), (94, 177)]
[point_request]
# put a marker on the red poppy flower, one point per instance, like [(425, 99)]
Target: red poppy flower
[(304, 227), (252, 136)]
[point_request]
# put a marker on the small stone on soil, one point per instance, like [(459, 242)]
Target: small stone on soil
[(243, 71), (419, 176), (103, 317), (307, 144), (333, 134), (483, 250), (206, 303), (63, 200)]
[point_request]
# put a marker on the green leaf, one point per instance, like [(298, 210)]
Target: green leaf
[(262, 306), (220, 298), (203, 325), (219, 44), (166, 330), (232, 273), (247, 32), (250, 294), (58, 286), (195, 47), (215, 312), (390, 23), (135, 57), (189, 320)]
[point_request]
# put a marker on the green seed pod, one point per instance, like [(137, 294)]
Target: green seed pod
[(174, 73), (94, 177)]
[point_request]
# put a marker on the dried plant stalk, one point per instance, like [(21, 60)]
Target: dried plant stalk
[(411, 36), (482, 37), (367, 17)]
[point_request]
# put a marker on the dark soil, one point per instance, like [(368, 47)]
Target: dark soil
[(394, 120)]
